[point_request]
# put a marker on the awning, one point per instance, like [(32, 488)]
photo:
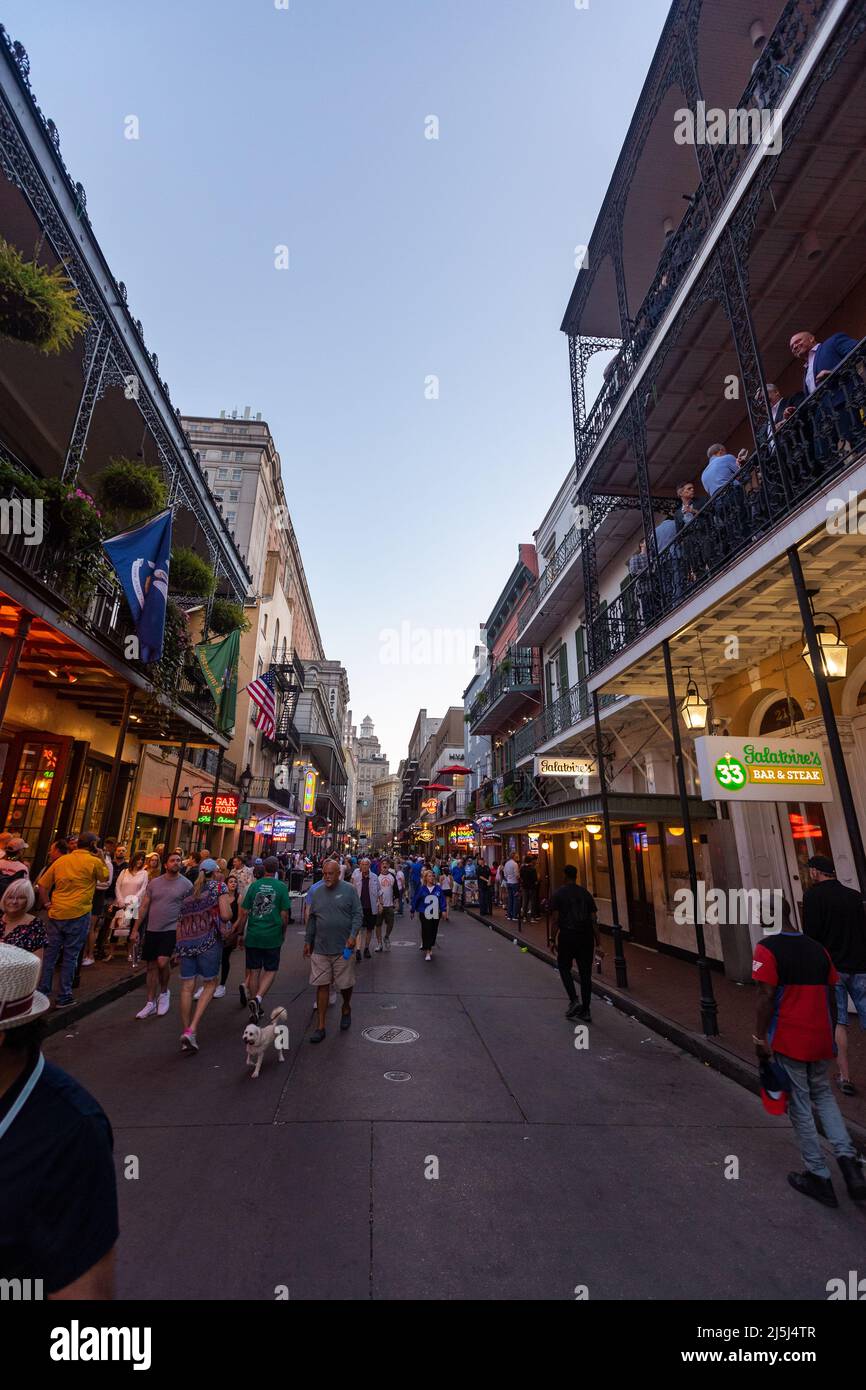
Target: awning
[(623, 808)]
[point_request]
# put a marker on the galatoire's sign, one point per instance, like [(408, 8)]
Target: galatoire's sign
[(762, 769), (564, 767)]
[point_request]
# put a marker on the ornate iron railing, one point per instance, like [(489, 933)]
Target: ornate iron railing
[(518, 670), (772, 74), (825, 435), (563, 714)]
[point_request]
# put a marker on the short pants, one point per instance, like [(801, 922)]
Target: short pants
[(263, 958), (206, 964), (158, 943), (855, 985), (332, 970)]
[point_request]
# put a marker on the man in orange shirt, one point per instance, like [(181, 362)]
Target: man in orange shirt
[(67, 886)]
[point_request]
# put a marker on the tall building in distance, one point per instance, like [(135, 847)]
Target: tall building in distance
[(372, 768), (386, 797)]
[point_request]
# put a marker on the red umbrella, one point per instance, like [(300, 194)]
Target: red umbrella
[(437, 787), (455, 768)]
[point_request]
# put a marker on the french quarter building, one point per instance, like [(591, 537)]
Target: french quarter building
[(736, 612), (82, 407)]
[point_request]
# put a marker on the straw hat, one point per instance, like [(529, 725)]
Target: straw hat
[(20, 1001)]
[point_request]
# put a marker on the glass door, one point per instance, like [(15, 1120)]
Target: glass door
[(638, 886)]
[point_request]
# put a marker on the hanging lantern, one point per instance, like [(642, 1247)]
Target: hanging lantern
[(676, 830), (834, 652), (693, 708), (545, 844), (592, 827), (572, 844)]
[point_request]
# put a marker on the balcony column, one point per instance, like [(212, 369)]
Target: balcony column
[(619, 959), (216, 787), (637, 433), (617, 256), (709, 1008), (106, 826), (13, 656), (169, 825), (95, 363), (837, 755), (687, 69), (589, 563)]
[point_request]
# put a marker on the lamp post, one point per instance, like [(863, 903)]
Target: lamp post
[(184, 801)]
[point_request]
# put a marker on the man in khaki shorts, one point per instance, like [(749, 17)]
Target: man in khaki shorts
[(335, 918)]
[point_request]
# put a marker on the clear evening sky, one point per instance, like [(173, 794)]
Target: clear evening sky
[(409, 258)]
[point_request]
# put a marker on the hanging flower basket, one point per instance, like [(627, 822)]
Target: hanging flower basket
[(189, 574), (226, 617), (131, 486), (38, 305)]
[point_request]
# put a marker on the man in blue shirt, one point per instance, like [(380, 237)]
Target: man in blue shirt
[(721, 468)]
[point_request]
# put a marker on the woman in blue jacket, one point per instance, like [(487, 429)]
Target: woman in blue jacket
[(431, 905)]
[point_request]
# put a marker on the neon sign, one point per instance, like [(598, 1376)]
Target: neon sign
[(226, 808), (310, 781)]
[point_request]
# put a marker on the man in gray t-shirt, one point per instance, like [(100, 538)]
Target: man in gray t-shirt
[(160, 909), (335, 918)]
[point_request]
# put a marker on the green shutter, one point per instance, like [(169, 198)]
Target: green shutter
[(580, 651), (563, 669), (548, 682)]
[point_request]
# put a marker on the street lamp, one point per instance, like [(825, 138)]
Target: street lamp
[(693, 708), (245, 781), (184, 799), (834, 652)]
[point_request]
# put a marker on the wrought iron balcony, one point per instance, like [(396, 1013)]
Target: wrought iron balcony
[(570, 709), (772, 75), (517, 676), (265, 789), (825, 435)]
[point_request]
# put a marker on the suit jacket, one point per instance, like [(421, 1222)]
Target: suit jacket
[(830, 353)]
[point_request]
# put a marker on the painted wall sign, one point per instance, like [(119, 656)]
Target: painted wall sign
[(564, 767), (763, 769)]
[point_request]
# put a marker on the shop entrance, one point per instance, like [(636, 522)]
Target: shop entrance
[(638, 889), (803, 830)]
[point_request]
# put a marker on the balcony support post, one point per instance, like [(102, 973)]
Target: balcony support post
[(619, 959), (13, 657), (216, 787), (169, 824), (837, 755), (105, 826), (709, 1008), (589, 562)]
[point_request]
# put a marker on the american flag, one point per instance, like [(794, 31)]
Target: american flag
[(262, 695)]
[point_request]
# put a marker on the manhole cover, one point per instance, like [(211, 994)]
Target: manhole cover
[(382, 1033), (398, 1076), (387, 1006)]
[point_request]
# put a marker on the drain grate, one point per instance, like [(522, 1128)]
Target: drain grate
[(385, 1033), (398, 1076)]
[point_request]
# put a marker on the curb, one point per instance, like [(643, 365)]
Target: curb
[(729, 1065), (59, 1019)]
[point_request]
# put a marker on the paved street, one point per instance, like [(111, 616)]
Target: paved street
[(557, 1167)]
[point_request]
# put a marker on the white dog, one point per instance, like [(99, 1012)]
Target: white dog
[(258, 1040)]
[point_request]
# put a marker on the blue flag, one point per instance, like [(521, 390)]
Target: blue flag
[(141, 558)]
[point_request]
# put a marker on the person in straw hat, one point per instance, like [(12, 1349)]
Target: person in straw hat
[(58, 1196)]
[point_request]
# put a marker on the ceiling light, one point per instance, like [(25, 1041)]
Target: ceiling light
[(592, 827)]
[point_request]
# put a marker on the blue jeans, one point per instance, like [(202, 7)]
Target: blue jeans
[(810, 1086), (513, 890), (855, 985), (66, 935)]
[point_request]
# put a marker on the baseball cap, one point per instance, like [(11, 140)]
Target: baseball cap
[(775, 1086), (209, 866), (821, 862), (15, 846)]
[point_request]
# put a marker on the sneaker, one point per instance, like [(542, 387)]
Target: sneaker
[(332, 998), (846, 1086), (63, 1003), (245, 997), (376, 950), (164, 1001), (852, 1171), (573, 1010), (812, 1186), (187, 1041), (317, 1036), (148, 1011), (199, 992), (584, 1015), (346, 1021), (428, 956), (387, 944), (257, 1013), (88, 960), (367, 955), (219, 992)]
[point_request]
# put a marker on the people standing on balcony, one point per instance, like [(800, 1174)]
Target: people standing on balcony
[(721, 467), (511, 879), (157, 918), (835, 426), (575, 936), (795, 1022), (67, 887), (366, 885), (203, 923), (833, 916)]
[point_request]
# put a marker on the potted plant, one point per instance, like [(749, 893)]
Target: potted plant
[(38, 305), (131, 490), (189, 574), (226, 617)]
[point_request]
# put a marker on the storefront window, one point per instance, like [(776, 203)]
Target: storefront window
[(674, 861), (90, 801), (809, 833), (33, 785), (598, 864)]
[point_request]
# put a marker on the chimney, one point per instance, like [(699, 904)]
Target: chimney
[(246, 412)]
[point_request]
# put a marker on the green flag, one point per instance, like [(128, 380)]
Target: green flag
[(219, 664)]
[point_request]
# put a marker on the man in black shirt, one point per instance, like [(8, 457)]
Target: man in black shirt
[(58, 1197), (574, 928), (833, 916), (529, 890)]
